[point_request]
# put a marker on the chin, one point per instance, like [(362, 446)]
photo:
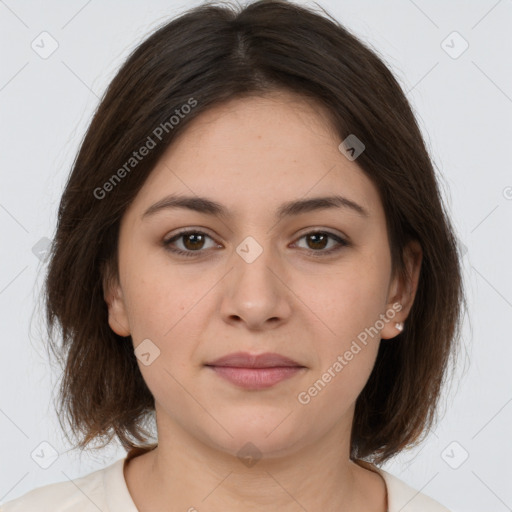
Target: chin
[(255, 438)]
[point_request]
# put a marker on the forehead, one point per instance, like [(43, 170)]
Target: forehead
[(259, 151), (292, 117)]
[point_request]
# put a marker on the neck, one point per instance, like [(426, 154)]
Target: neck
[(184, 474)]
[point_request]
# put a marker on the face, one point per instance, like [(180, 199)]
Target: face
[(307, 285)]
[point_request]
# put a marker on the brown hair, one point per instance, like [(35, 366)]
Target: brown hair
[(204, 57)]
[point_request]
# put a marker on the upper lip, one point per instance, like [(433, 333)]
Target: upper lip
[(246, 360)]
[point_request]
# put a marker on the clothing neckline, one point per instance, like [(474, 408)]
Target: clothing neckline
[(116, 492)]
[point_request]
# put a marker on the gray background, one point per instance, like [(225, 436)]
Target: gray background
[(463, 102)]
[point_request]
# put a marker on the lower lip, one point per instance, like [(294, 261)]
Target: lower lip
[(256, 378)]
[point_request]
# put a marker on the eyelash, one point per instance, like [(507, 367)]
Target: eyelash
[(318, 254)]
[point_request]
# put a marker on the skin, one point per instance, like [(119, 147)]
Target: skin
[(252, 155)]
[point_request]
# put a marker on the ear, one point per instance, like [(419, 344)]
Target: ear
[(403, 290), (113, 296)]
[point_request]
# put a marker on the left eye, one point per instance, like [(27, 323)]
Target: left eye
[(319, 239), (193, 242)]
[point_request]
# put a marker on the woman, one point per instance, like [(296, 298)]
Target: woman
[(252, 248)]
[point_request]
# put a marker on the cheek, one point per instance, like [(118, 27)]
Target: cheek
[(167, 319), (351, 299), (349, 303), (166, 308), (348, 349), (157, 298), (332, 392)]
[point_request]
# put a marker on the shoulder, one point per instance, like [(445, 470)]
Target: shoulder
[(403, 498), (84, 494)]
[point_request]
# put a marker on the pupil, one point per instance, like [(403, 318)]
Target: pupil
[(192, 236), (316, 236)]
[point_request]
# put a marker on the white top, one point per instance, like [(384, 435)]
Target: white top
[(106, 490)]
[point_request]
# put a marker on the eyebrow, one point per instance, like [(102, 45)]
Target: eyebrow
[(288, 209)]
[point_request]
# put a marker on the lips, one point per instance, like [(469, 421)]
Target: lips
[(246, 360), (255, 372)]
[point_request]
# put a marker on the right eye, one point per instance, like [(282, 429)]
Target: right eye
[(193, 241)]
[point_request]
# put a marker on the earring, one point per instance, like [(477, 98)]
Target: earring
[(399, 326)]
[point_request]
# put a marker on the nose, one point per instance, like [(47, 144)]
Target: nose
[(256, 292)]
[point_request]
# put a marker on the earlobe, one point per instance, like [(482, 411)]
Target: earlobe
[(395, 324), (403, 292), (117, 317)]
